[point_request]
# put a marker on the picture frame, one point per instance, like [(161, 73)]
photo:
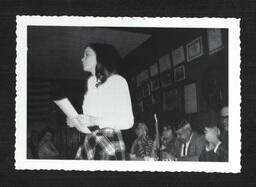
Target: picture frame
[(170, 100), (194, 49), (190, 98), (139, 93), (178, 56), (155, 84), (140, 107), (153, 70), (147, 104), (179, 73), (146, 90), (156, 98), (165, 63), (142, 77), (166, 79), (215, 41)]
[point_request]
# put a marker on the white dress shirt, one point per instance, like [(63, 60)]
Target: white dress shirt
[(110, 101)]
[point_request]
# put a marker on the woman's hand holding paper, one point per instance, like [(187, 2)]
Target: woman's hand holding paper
[(81, 122)]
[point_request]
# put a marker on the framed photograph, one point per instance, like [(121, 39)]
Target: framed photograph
[(215, 42), (142, 77), (140, 107), (156, 98), (178, 56), (147, 104), (190, 98), (139, 93), (166, 79), (146, 90), (153, 69), (155, 84), (179, 73), (164, 63), (194, 49), (170, 100), (38, 36)]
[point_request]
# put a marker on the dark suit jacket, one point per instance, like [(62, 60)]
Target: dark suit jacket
[(197, 144)]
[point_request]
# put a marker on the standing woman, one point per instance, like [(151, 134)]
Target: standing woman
[(106, 107)]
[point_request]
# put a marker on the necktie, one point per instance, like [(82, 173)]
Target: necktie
[(184, 149)]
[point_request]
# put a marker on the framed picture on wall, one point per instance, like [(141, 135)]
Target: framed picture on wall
[(194, 49), (156, 98), (153, 69), (142, 77), (164, 63), (179, 73), (166, 79), (170, 100), (178, 56), (146, 90), (140, 106), (147, 104), (139, 93), (155, 84), (215, 42), (190, 98)]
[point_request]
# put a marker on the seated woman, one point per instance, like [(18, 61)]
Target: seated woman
[(46, 148), (215, 150), (168, 142), (142, 146)]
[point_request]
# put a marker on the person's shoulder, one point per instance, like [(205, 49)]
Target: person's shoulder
[(222, 148), (199, 138), (117, 79)]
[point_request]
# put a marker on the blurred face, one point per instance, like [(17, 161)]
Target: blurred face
[(89, 60), (211, 134), (224, 118), (184, 133), (48, 136), (140, 131), (168, 134)]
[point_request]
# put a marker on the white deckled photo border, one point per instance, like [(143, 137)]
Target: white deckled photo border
[(234, 60)]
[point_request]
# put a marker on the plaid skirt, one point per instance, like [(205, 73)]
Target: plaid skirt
[(102, 144)]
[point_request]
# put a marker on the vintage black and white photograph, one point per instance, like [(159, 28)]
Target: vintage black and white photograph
[(179, 73), (164, 63), (153, 70), (215, 42), (178, 56), (171, 100), (84, 100), (194, 49), (166, 79), (155, 84)]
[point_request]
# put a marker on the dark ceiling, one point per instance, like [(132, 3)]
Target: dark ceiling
[(55, 52)]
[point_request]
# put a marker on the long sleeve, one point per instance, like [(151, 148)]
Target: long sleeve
[(118, 110), (110, 102)]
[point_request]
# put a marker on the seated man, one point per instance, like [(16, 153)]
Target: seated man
[(224, 125), (142, 146), (190, 144), (215, 150), (46, 148), (167, 149)]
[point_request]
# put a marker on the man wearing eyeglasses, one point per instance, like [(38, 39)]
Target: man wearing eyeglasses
[(224, 125)]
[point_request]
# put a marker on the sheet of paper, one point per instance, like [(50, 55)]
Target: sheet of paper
[(69, 110)]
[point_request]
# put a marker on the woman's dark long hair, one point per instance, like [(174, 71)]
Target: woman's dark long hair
[(108, 60)]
